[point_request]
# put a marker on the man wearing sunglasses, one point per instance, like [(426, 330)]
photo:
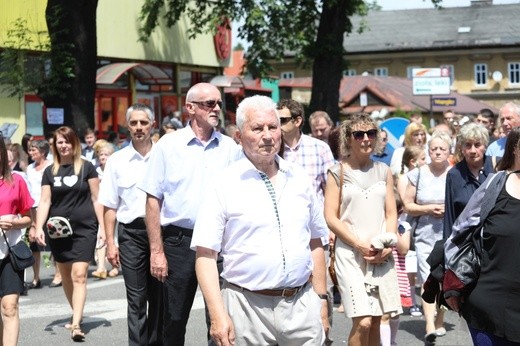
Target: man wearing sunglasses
[(312, 154), (180, 171)]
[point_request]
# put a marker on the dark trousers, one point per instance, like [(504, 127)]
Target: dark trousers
[(144, 293), (180, 286)]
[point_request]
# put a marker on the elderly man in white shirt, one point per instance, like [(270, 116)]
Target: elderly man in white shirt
[(125, 203), (264, 217)]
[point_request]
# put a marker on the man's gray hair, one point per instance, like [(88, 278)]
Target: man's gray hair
[(516, 108), (257, 102), (140, 107)]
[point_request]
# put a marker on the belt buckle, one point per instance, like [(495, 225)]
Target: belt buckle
[(289, 292)]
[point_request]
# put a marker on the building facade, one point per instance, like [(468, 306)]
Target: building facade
[(478, 44), (157, 72)]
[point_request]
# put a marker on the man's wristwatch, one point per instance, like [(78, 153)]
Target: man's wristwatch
[(323, 296)]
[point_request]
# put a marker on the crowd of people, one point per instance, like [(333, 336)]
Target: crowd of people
[(252, 217)]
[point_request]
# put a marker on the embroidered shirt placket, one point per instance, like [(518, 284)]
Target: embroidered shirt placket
[(272, 194)]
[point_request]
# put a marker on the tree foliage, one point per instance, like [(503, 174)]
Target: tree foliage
[(45, 73), (309, 31), (272, 27)]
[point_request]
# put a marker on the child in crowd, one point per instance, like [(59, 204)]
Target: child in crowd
[(413, 157), (390, 325)]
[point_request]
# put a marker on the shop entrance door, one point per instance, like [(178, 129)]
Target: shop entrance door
[(110, 109)]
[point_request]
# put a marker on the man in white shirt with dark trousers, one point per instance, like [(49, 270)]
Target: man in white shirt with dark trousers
[(177, 179), (125, 203)]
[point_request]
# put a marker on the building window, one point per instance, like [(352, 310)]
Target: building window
[(349, 72), (448, 71), (481, 74), (409, 71), (287, 75), (513, 69), (381, 71)]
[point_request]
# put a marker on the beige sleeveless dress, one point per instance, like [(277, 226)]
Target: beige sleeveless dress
[(363, 208)]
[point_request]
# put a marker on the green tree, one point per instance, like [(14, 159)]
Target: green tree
[(310, 30)]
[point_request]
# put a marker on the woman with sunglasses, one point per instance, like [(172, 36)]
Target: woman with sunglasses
[(359, 212), (424, 200)]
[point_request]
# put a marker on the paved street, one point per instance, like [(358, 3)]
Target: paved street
[(45, 311)]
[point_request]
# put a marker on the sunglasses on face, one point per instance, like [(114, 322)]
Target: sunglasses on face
[(209, 103), (360, 135), (285, 120)]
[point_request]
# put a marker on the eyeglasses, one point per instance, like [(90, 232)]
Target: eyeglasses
[(209, 103), (285, 120), (360, 135)]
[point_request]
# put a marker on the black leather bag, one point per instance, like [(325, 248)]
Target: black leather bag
[(20, 255), (463, 268)]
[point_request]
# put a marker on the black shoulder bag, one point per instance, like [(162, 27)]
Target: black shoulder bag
[(20, 255)]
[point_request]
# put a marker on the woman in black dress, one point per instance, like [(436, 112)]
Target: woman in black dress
[(70, 189), (492, 309)]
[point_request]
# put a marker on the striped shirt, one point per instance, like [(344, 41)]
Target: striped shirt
[(315, 157)]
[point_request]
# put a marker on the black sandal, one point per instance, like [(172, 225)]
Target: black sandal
[(77, 334)]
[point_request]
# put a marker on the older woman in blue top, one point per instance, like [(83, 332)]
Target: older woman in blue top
[(467, 175)]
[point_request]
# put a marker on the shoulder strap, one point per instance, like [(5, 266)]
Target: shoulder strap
[(417, 185), (341, 179), (340, 187), (3, 233), (82, 172)]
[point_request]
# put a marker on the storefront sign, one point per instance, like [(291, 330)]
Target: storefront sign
[(444, 101)]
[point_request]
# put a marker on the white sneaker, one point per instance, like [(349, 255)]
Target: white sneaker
[(415, 311)]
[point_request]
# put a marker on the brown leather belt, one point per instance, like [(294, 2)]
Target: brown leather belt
[(283, 292)]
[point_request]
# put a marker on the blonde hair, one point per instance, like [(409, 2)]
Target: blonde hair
[(71, 137), (346, 129), (443, 136), (102, 144), (410, 130)]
